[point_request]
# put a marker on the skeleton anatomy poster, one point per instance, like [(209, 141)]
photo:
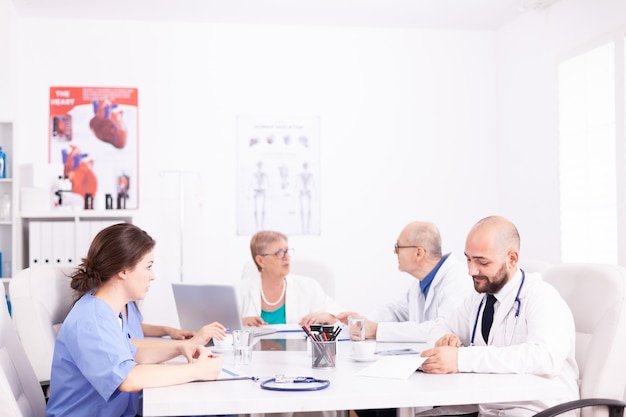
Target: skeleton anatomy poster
[(93, 134), (278, 175)]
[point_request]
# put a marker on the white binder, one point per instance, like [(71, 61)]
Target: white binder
[(34, 244)]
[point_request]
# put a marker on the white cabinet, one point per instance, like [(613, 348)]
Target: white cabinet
[(8, 194), (63, 237)]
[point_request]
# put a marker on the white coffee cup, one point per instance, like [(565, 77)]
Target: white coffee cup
[(225, 344), (363, 348)]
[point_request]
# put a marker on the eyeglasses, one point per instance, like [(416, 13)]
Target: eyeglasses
[(280, 254), (397, 247)]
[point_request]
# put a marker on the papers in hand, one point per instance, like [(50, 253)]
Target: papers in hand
[(395, 367)]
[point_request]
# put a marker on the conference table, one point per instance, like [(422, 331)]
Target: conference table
[(347, 391)]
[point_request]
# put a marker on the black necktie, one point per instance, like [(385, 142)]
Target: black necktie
[(488, 316)]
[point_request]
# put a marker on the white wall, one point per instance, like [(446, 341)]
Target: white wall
[(444, 126), (529, 50), (403, 112), (7, 78)]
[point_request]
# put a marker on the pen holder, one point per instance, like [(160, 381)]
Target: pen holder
[(324, 354)]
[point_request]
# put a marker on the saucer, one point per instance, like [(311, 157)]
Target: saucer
[(368, 358)]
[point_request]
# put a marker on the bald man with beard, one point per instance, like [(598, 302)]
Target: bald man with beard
[(531, 329)]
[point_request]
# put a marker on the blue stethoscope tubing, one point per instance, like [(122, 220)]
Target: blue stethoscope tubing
[(480, 306), (323, 383)]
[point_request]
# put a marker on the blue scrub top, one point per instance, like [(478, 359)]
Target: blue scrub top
[(92, 356), (134, 321)]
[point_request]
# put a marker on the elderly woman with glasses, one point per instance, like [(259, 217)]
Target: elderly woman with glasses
[(277, 297)]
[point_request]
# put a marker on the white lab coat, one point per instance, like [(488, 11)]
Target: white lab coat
[(303, 296), (540, 341), (411, 318)]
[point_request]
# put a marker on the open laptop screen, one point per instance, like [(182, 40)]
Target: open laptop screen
[(201, 304)]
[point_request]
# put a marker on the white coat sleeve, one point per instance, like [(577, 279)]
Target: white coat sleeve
[(392, 312), (407, 331), (250, 300), (322, 302)]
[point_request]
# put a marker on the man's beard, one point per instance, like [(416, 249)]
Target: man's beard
[(491, 287)]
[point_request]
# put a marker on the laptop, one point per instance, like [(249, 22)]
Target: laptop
[(201, 304)]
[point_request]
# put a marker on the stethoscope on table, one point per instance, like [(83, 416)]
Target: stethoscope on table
[(517, 301), (285, 383), (300, 383)]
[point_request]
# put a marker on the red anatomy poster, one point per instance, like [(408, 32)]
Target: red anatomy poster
[(93, 133)]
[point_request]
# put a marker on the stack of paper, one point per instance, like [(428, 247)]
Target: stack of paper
[(396, 367)]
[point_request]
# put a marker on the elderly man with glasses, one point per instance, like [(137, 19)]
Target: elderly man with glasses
[(441, 283)]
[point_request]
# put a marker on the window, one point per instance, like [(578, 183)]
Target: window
[(589, 137)]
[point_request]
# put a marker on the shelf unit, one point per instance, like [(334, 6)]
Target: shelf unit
[(14, 230), (8, 231), (83, 225), (77, 215)]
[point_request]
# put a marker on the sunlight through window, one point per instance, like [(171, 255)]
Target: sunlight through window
[(587, 157)]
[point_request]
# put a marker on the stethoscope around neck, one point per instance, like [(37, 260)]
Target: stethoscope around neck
[(480, 306)]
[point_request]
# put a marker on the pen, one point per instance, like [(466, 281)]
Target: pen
[(235, 378), (231, 373), (315, 342), (308, 333), (316, 327)]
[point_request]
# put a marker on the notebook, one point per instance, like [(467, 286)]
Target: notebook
[(200, 304)]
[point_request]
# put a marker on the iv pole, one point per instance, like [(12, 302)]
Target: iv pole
[(181, 210)]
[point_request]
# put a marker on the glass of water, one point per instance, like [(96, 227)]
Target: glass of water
[(242, 346)]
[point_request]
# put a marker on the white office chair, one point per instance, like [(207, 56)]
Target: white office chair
[(20, 392), (596, 294), (534, 265), (41, 298), (306, 267)]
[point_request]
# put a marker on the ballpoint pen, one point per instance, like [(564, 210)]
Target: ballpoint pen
[(317, 344)]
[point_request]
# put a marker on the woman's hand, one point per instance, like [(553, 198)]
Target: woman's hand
[(179, 334), (343, 316), (207, 332), (192, 351), (255, 321), (318, 318), (209, 366)]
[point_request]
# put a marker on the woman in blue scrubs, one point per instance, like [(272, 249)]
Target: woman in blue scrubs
[(96, 369)]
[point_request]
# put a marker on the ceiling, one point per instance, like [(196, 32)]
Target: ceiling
[(431, 14)]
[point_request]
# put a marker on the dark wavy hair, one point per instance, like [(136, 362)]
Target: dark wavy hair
[(114, 248)]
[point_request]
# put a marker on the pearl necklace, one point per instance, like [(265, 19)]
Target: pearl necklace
[(279, 298)]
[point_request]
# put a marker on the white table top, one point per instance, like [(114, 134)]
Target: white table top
[(346, 391)]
